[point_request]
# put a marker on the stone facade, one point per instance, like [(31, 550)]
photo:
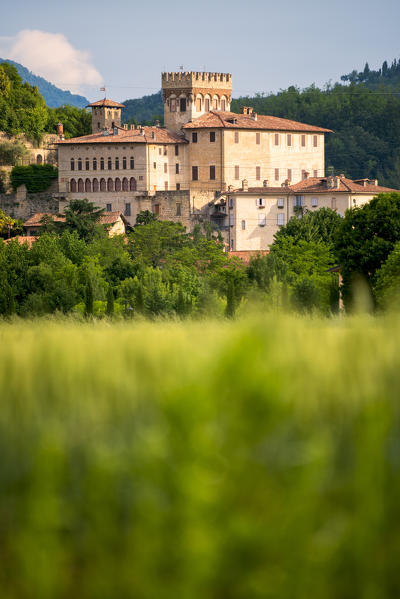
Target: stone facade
[(23, 205)]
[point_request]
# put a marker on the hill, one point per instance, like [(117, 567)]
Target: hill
[(52, 95), (144, 110)]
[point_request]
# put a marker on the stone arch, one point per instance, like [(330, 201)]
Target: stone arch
[(132, 184), (110, 184), (199, 102), (117, 184), (207, 103), (88, 186), (125, 184), (103, 186), (72, 185), (39, 159), (224, 103), (215, 102), (80, 185), (95, 185)]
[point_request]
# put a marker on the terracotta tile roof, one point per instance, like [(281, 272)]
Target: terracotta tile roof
[(29, 239), (105, 102), (108, 218), (319, 185), (151, 135), (246, 255), (219, 119)]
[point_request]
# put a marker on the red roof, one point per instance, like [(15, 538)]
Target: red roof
[(108, 218), (320, 185), (29, 239), (151, 135), (231, 120), (105, 102)]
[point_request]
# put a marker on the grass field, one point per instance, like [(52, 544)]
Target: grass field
[(220, 460)]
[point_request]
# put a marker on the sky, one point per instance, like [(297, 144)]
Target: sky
[(125, 45)]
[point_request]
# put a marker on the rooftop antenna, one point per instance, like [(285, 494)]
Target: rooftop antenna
[(103, 89), (181, 67)]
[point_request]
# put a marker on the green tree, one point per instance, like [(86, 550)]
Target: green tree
[(110, 301), (145, 217), (83, 217), (76, 121), (89, 297), (36, 177)]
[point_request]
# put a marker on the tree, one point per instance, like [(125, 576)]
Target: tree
[(365, 238), (89, 297), (36, 177), (145, 217), (318, 225), (387, 287), (110, 301), (83, 217)]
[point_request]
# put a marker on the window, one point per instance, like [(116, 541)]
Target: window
[(177, 168), (98, 125), (88, 186), (182, 104), (110, 185), (258, 173), (207, 105), (262, 220), (80, 185), (194, 137), (315, 173), (165, 150), (289, 139), (212, 173), (236, 172), (315, 141), (166, 185), (165, 167), (303, 174), (198, 104), (95, 164), (178, 209), (117, 164), (117, 184), (132, 184), (157, 209), (160, 151), (125, 184), (232, 244), (243, 225), (277, 174), (172, 105), (236, 137), (79, 164), (314, 202), (95, 185), (258, 137), (231, 220), (231, 203), (108, 207), (102, 164), (298, 201), (109, 164), (212, 136), (132, 163), (260, 202), (178, 186), (72, 164), (124, 162), (154, 164), (289, 174), (276, 139), (303, 141), (195, 173), (215, 103), (87, 164), (176, 150), (280, 219), (281, 203), (223, 105), (72, 185), (127, 209), (103, 185)]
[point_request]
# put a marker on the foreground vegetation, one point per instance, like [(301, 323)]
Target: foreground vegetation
[(248, 459)]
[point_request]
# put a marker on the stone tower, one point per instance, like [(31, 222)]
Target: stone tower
[(105, 114), (188, 95)]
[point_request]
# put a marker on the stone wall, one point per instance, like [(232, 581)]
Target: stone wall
[(172, 205), (25, 207)]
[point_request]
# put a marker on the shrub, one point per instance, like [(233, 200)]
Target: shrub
[(36, 177)]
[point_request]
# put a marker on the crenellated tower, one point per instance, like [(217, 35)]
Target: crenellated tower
[(188, 95), (105, 114)]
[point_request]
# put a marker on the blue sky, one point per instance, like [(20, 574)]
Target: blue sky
[(265, 45)]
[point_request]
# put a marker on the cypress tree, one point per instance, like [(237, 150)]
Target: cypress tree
[(89, 300), (110, 301)]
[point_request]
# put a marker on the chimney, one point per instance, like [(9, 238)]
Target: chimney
[(141, 130), (115, 131), (60, 130), (153, 135), (230, 188), (265, 183), (133, 127), (254, 116), (125, 126), (285, 183), (329, 182), (337, 182), (375, 182), (246, 110), (245, 185), (157, 123), (306, 174)]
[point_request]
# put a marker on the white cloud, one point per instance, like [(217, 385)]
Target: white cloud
[(53, 57)]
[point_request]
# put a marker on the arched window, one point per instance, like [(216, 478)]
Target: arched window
[(117, 164), (124, 162), (88, 186), (198, 103), (132, 184), (39, 159), (215, 103), (109, 165), (87, 164), (207, 105), (72, 164), (95, 164), (102, 164), (95, 185), (125, 184), (117, 184), (72, 185), (110, 185), (80, 185), (132, 163), (79, 164), (103, 186)]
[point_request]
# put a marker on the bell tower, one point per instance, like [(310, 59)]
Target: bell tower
[(105, 114), (188, 95)]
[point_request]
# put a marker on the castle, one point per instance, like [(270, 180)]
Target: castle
[(186, 170)]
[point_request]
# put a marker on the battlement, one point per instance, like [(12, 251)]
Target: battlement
[(198, 79)]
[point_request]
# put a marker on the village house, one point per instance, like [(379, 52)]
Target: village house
[(250, 216), (114, 222)]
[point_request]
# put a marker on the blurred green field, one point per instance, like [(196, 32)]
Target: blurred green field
[(221, 460)]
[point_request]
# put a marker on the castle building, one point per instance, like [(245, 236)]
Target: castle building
[(203, 150)]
